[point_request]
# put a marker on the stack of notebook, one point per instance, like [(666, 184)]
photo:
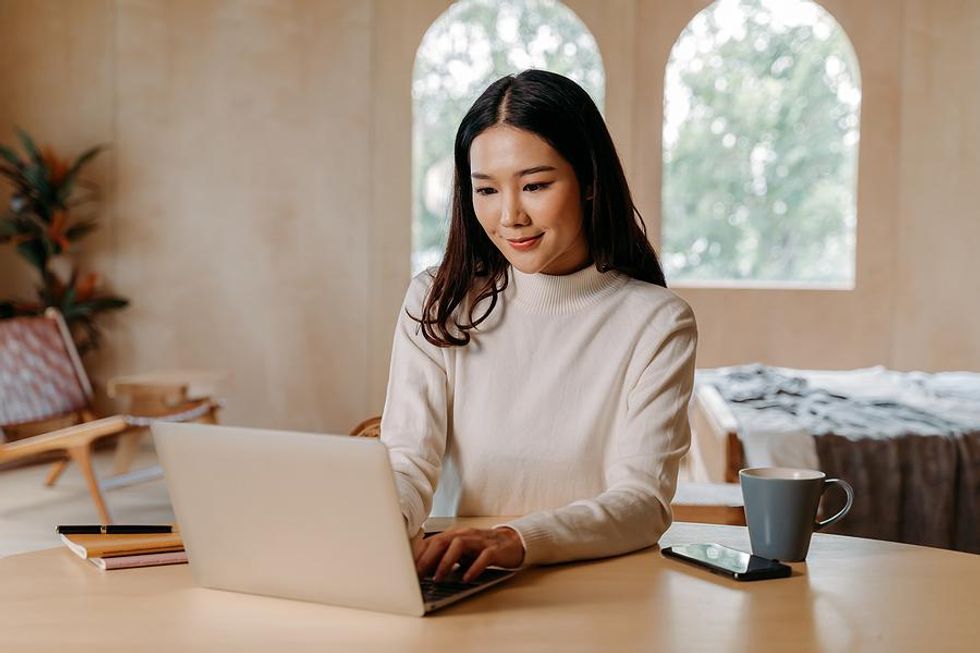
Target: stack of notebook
[(115, 550)]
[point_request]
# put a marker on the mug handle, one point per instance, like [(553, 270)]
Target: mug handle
[(850, 501)]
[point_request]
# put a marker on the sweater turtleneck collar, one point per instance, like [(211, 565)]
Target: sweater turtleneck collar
[(565, 293)]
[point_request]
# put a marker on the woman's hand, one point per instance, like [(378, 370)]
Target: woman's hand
[(476, 547)]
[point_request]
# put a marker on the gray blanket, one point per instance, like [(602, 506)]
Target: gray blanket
[(916, 474)]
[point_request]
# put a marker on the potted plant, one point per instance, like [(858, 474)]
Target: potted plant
[(48, 214)]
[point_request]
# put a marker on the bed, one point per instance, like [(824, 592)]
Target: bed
[(909, 442)]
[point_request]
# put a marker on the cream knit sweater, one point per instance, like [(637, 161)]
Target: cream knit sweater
[(567, 410)]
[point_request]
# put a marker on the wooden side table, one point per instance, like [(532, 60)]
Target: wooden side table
[(151, 395)]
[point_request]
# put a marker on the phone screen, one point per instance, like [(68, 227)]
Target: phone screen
[(739, 565)]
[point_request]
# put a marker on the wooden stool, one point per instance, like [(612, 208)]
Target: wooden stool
[(156, 395)]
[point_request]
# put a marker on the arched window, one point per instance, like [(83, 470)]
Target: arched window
[(470, 45), (762, 101)]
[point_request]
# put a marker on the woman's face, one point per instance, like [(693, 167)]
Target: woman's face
[(527, 199)]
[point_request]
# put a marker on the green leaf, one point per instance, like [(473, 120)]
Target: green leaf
[(80, 229), (87, 156), (82, 159), (72, 278), (33, 224), (68, 300), (90, 307), (35, 253), (75, 311), (8, 228), (21, 187), (37, 179), (11, 156), (13, 174), (52, 248), (108, 303), (99, 304), (29, 145)]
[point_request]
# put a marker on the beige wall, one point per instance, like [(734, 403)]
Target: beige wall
[(257, 193), (56, 82), (936, 323)]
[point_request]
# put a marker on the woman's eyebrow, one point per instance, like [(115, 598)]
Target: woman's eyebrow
[(520, 173)]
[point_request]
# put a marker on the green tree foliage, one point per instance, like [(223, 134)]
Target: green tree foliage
[(760, 146), (472, 44)]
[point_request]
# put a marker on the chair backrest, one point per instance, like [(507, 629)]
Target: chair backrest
[(369, 428), (41, 374)]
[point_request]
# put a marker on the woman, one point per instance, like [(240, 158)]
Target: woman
[(543, 370)]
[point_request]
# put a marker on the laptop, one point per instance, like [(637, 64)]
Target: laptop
[(299, 516)]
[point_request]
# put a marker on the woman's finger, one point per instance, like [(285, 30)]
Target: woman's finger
[(434, 548), (423, 543), (485, 559), (450, 558)]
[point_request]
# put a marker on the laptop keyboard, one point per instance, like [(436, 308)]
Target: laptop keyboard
[(433, 591)]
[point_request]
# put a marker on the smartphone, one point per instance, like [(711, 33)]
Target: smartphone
[(728, 562)]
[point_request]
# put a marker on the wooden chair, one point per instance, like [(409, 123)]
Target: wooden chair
[(705, 503), (46, 402), (369, 428)]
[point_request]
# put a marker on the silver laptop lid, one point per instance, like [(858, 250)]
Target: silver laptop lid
[(295, 515)]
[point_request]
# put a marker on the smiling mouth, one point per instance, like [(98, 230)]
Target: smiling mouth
[(525, 244)]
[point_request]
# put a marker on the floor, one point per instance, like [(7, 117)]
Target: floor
[(29, 511)]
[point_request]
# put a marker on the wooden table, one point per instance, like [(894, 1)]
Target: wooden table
[(851, 595)]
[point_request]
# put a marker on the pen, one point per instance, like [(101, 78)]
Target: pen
[(114, 529)]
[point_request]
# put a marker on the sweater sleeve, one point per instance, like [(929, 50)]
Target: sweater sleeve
[(641, 464), (414, 421)]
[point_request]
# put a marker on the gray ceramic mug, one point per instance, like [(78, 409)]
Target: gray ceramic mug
[(781, 509)]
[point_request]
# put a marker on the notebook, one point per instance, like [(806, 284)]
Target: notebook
[(95, 545), (299, 516), (140, 560)]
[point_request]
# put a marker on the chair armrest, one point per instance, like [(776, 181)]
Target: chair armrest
[(369, 428), (64, 439)]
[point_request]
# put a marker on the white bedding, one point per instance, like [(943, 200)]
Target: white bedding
[(772, 438)]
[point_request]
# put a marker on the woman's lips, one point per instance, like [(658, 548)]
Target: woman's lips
[(526, 243)]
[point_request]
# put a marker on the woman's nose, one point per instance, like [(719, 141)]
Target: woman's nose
[(512, 213)]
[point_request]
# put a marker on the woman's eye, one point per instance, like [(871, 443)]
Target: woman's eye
[(531, 188)]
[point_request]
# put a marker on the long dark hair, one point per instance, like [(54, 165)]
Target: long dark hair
[(562, 113)]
